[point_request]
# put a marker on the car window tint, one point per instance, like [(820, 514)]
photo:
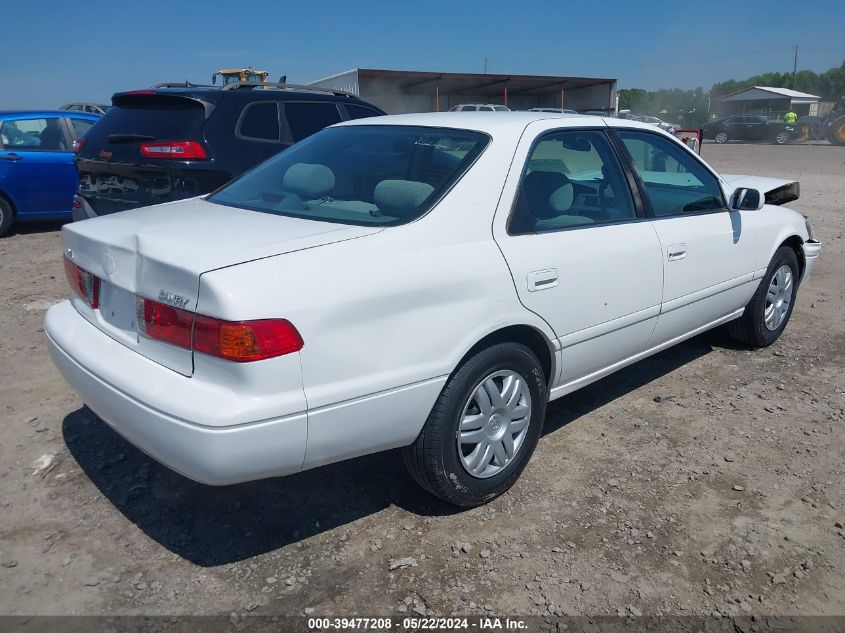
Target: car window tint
[(305, 119), (571, 178), (360, 112), (260, 121), (34, 134), (674, 180), (81, 126)]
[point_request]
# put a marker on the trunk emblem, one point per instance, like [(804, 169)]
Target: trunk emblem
[(174, 300), (108, 264), (105, 153)]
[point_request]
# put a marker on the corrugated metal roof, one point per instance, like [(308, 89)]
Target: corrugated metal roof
[(783, 92), (478, 83)]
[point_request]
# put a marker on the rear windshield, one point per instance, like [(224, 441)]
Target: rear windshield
[(159, 117), (366, 175)]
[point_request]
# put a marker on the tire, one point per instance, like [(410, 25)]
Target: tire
[(836, 131), (437, 460), (782, 137), (751, 328), (6, 217), (721, 137)]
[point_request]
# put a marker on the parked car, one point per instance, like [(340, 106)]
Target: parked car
[(555, 110), (91, 108), (170, 143), (747, 127), (653, 120), (479, 107), (37, 174), (426, 281)]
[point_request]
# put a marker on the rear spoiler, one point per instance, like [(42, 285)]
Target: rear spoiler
[(151, 96), (776, 191)]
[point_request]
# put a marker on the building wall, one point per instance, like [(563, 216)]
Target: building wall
[(389, 95)]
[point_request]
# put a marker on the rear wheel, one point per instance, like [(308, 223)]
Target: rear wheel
[(483, 428), (768, 312), (782, 138), (721, 137), (6, 217)]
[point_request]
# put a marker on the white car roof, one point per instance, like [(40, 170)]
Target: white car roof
[(495, 122)]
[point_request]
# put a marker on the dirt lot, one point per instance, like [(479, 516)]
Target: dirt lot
[(705, 479)]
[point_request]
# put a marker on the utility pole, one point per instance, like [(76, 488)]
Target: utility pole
[(795, 66), (485, 65)]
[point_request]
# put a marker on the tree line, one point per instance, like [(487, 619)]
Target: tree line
[(692, 107)]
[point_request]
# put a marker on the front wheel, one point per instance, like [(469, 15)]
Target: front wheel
[(483, 428), (782, 138), (768, 312), (721, 137)]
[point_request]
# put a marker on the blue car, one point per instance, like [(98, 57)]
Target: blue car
[(38, 177)]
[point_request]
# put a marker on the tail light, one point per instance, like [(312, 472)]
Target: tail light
[(83, 283), (164, 323), (239, 341), (245, 341), (78, 144), (174, 150)]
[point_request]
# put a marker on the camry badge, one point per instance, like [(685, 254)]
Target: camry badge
[(174, 300)]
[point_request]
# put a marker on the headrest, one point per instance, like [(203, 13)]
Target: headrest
[(538, 188), (400, 198), (562, 198), (308, 179)]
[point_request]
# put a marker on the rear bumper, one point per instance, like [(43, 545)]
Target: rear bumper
[(811, 248), (215, 455)]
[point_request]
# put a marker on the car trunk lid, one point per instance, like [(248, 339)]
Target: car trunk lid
[(160, 252)]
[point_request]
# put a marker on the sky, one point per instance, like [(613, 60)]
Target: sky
[(56, 52)]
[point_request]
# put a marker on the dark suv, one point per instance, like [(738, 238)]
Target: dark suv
[(169, 143)]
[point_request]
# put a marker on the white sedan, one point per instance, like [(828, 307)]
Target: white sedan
[(425, 281)]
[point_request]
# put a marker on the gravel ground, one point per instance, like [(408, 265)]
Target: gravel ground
[(706, 479)]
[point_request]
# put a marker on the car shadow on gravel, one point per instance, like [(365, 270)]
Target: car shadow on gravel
[(36, 226), (212, 526)]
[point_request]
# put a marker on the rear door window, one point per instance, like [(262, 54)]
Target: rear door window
[(307, 118), (260, 121), (572, 178)]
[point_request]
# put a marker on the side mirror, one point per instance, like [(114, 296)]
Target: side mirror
[(744, 199)]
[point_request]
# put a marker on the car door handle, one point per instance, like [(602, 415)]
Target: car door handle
[(10, 157), (677, 251), (542, 279)]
